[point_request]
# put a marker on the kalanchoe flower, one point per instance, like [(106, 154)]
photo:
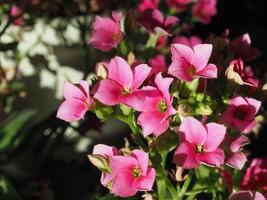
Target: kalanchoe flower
[(256, 176), (15, 12), (180, 5), (199, 144), (131, 174), (236, 157), (157, 107), (152, 19), (241, 47), (246, 195), (188, 41), (158, 64), (240, 75), (147, 4), (106, 33), (189, 63), (122, 84), (108, 152), (203, 10), (77, 101), (240, 113)]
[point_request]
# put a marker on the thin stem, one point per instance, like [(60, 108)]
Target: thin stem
[(185, 185)]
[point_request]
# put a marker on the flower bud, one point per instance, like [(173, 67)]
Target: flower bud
[(101, 70), (101, 162)]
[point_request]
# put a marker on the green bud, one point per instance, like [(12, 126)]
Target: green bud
[(125, 109), (101, 162), (203, 109)]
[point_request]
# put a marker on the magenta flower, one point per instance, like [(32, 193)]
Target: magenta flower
[(147, 4), (131, 174), (240, 75), (106, 33), (240, 113), (152, 19), (241, 47), (180, 5), (157, 108), (188, 41), (199, 144), (122, 84), (246, 195), (203, 10), (77, 101), (15, 12), (189, 63), (256, 176), (236, 157), (108, 152), (158, 64)]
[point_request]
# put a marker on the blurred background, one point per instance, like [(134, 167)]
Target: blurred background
[(44, 158)]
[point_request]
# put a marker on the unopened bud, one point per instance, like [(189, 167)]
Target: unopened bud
[(101, 162), (101, 70)]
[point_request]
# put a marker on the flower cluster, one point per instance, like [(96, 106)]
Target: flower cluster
[(184, 102)]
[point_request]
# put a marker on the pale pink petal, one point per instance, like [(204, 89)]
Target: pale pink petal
[(145, 183), (120, 71), (180, 50), (210, 71), (255, 103), (140, 73), (122, 184), (238, 100), (178, 69), (135, 99), (72, 110), (105, 178), (72, 91), (153, 122), (213, 159), (142, 160), (163, 85), (215, 135), (105, 150), (193, 130), (84, 86), (238, 143), (107, 92), (151, 103), (118, 163), (202, 55), (184, 156), (237, 160), (245, 126)]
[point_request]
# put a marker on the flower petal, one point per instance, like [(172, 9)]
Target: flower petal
[(210, 71), (213, 159), (180, 50), (215, 135), (72, 110), (146, 182), (184, 156), (238, 143), (237, 160), (105, 150), (142, 159), (202, 55), (72, 91), (140, 73), (193, 130), (163, 85), (178, 69), (120, 71), (107, 92)]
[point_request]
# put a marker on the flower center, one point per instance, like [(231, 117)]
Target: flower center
[(240, 113), (199, 148), (117, 36), (191, 70), (125, 91), (163, 106), (136, 172)]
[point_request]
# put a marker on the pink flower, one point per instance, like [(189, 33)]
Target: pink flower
[(15, 12), (157, 107), (122, 84), (203, 10), (256, 176), (152, 19), (158, 65), (188, 41), (106, 33), (199, 144), (77, 101), (240, 113), (241, 47), (189, 63), (180, 5), (107, 152), (131, 174), (246, 195), (147, 4), (236, 157), (240, 75)]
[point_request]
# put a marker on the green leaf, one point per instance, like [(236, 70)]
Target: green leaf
[(11, 127), (7, 191), (125, 109)]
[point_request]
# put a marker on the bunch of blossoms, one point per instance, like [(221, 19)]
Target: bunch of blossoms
[(189, 115)]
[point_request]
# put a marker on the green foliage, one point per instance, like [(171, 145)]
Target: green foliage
[(7, 191), (103, 112)]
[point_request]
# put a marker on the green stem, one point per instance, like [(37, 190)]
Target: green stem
[(185, 186)]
